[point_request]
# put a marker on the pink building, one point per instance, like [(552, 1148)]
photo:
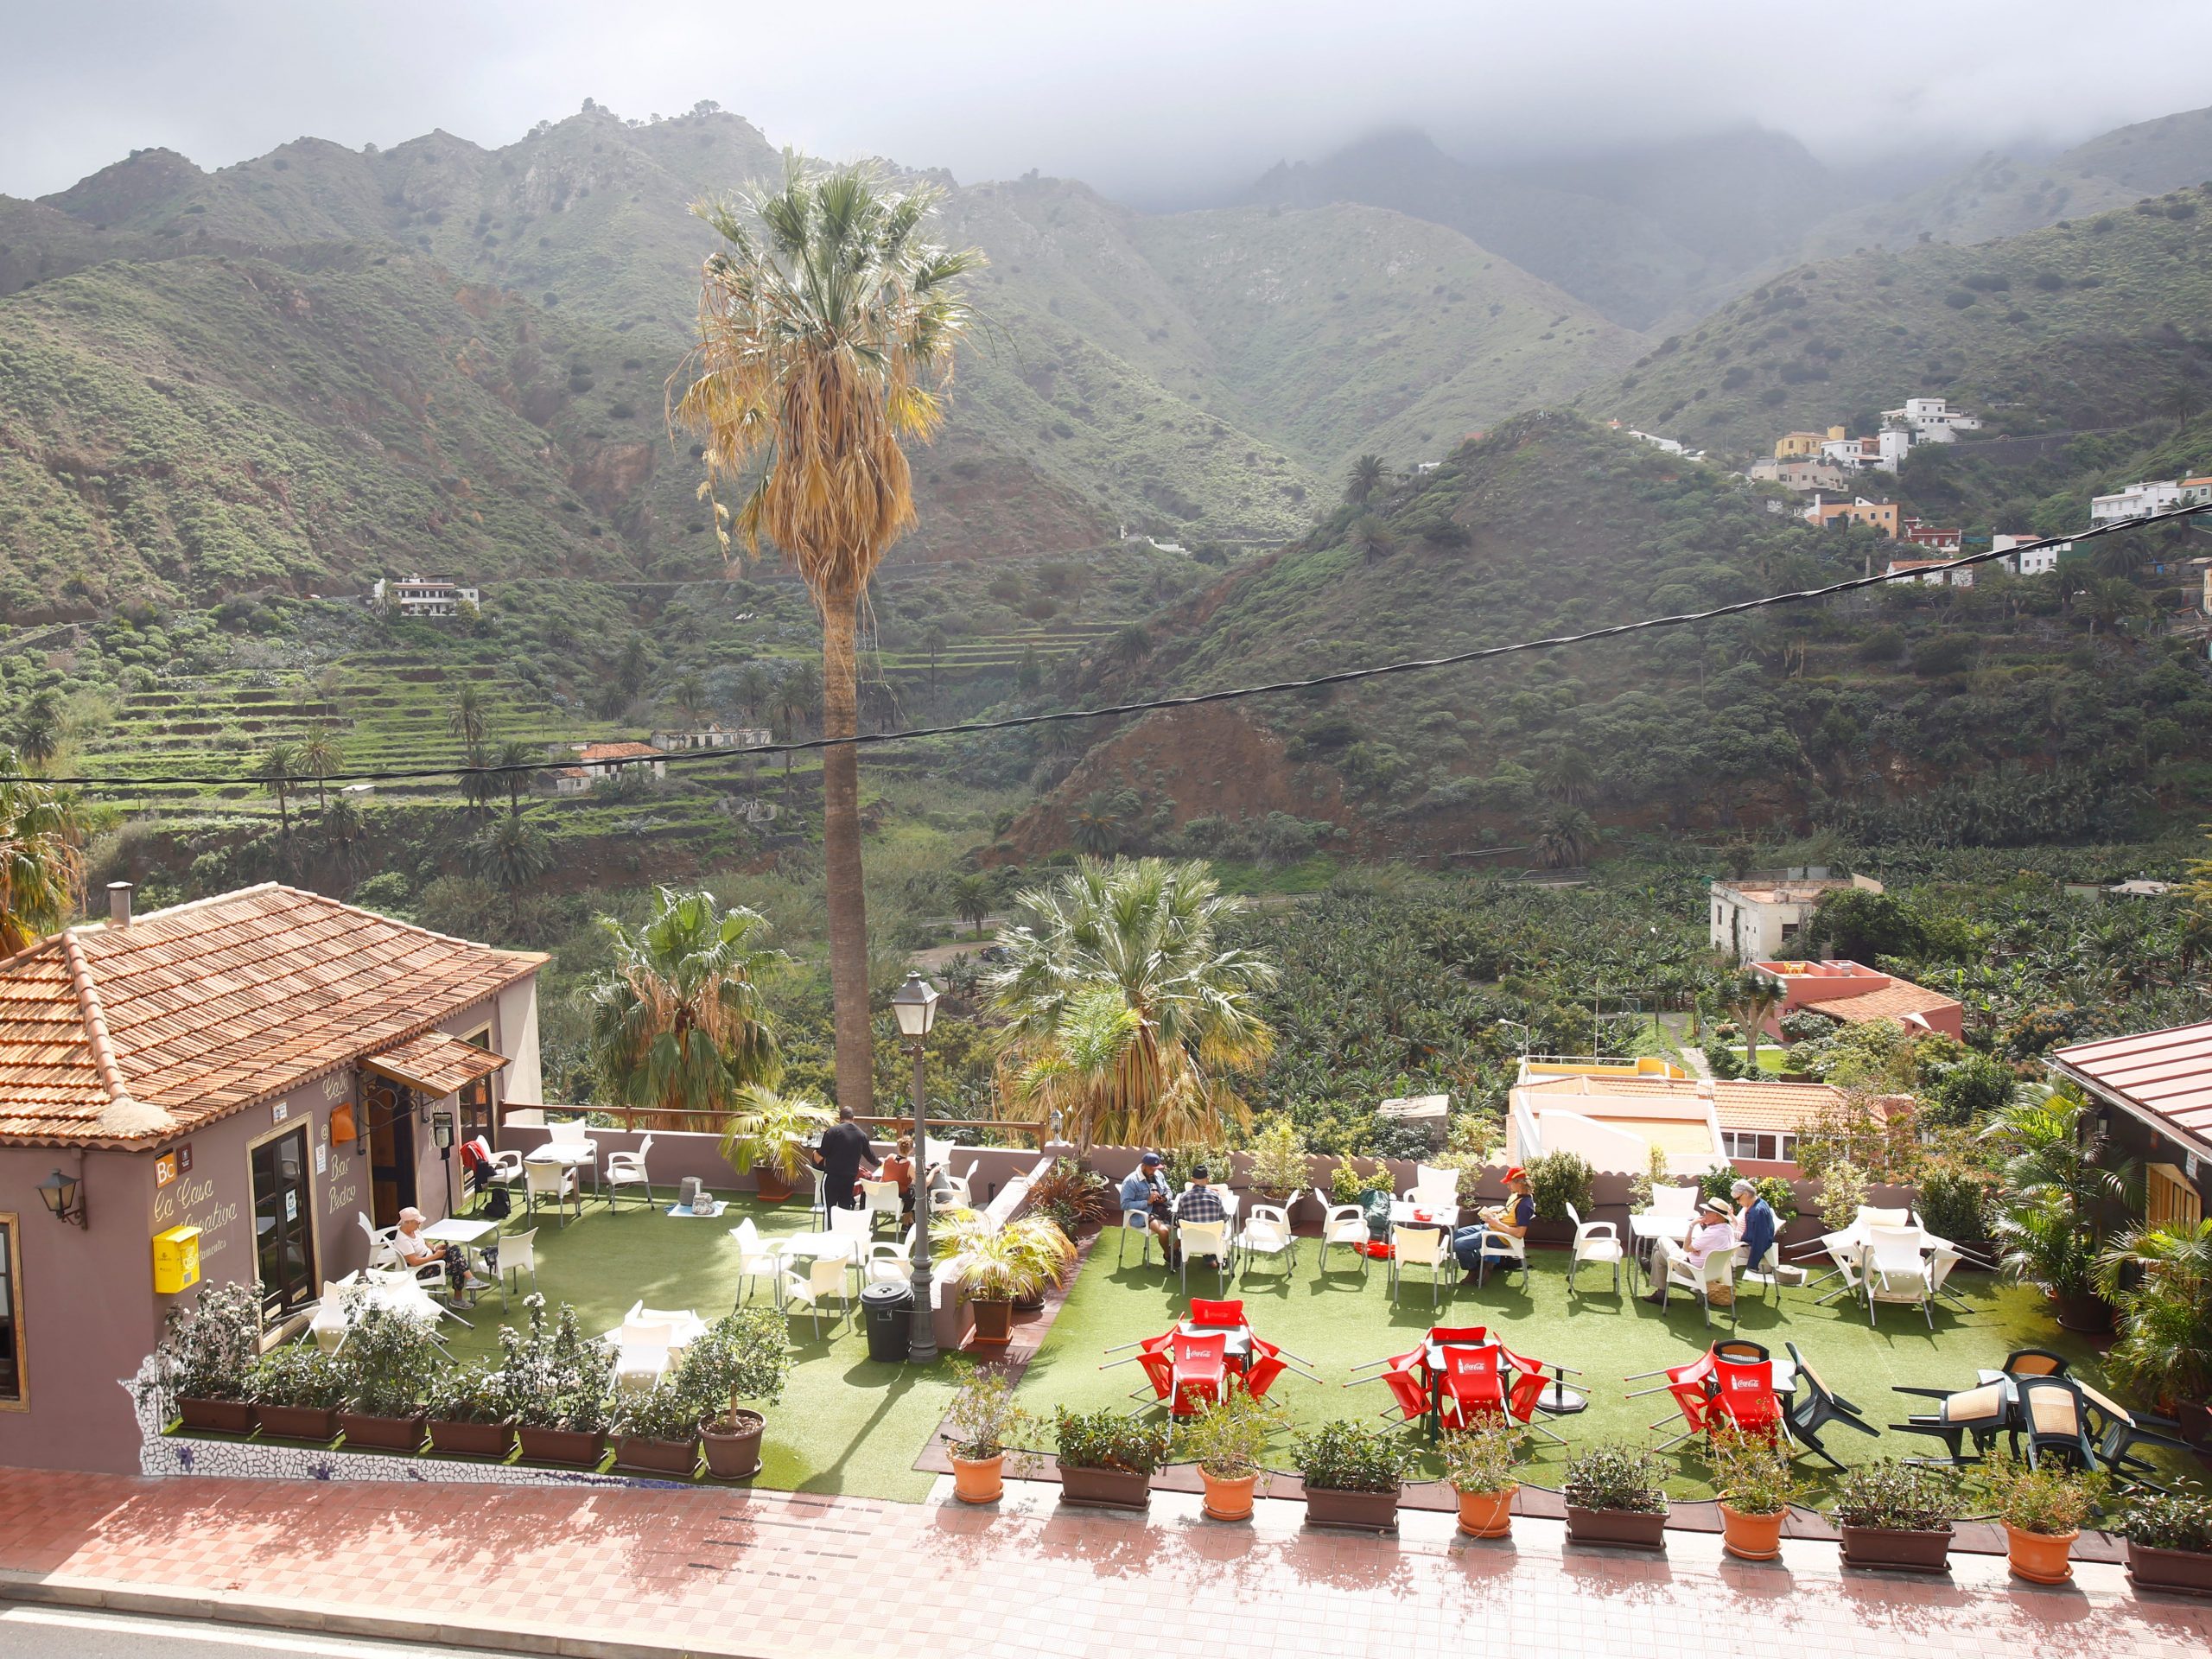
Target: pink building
[(1844, 990)]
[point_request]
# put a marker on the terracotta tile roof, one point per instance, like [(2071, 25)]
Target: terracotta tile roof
[(113, 1036), (1896, 1000), (619, 752), (2165, 1076), (1739, 1104), (436, 1065)]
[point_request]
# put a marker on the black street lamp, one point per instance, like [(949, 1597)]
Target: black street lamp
[(64, 1196), (915, 1005)]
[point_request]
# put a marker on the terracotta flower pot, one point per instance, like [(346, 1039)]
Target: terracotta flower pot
[(224, 1416), (2039, 1557), (2183, 1571), (381, 1433), (576, 1447), (1751, 1537), (1365, 1511), (644, 1455), (1624, 1528), (994, 1324), (296, 1422), (734, 1450), (471, 1439), (1896, 1550), (774, 1185), (2089, 1314), (978, 1480), (1228, 1497), (1486, 1515), (1113, 1488)]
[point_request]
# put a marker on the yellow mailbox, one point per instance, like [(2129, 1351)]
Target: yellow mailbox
[(176, 1260)]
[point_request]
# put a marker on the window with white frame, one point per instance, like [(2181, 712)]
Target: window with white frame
[(1755, 1146)]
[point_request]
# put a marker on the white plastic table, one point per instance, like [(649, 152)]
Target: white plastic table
[(568, 1155)]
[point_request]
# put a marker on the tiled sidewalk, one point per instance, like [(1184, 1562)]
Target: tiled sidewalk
[(844, 1579)]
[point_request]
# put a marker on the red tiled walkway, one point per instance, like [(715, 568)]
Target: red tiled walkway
[(767, 1574)]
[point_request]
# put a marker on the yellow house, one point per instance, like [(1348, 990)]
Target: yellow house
[(1795, 446)]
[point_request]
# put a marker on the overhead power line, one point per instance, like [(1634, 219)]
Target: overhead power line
[(1231, 694)]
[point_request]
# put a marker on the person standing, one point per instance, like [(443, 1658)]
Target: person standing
[(845, 1152)]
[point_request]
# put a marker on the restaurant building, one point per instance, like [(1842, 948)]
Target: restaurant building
[(222, 1090), (2155, 1091)]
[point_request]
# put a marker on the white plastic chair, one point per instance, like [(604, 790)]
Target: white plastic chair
[(1419, 1247), (641, 1354), (524, 1117), (957, 1195), (1497, 1244), (379, 1239), (1137, 1222), (1766, 1271), (824, 1277), (1345, 1224), (1433, 1188), (327, 1327), (1672, 1200), (888, 1263), (628, 1169), (566, 1131), (1892, 1269), (1598, 1241), (851, 1223), (754, 1259), (517, 1251), (1871, 1216), (505, 1168), (1267, 1232), (1720, 1269), (1207, 1238), (557, 1181), (881, 1198)]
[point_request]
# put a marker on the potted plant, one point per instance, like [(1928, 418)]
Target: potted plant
[(1226, 1441), (2160, 1279), (1278, 1155), (558, 1382), (1353, 1473), (1108, 1459), (388, 1360), (1077, 1200), (984, 1419), (1555, 1181), (205, 1362), (768, 1136), (999, 1265), (1614, 1496), (2057, 1183), (297, 1390), (2043, 1509), (1896, 1515), (2170, 1540), (1754, 1487), (471, 1413), (657, 1429), (742, 1356), (1479, 1463)]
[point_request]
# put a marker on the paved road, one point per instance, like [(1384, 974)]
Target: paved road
[(47, 1632)]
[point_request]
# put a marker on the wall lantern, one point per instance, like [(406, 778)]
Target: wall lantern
[(65, 1197)]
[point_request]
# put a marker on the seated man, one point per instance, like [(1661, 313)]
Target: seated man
[(1146, 1188), (1755, 1222), (1199, 1202), (419, 1252), (1513, 1218), (1709, 1231)]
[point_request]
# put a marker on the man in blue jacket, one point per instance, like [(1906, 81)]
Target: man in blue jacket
[(1755, 1223)]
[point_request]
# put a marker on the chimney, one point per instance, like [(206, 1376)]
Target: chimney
[(118, 904)]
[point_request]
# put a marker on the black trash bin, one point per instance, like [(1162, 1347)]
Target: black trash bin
[(889, 1310)]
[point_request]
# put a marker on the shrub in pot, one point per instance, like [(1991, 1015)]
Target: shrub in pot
[(742, 1356), (657, 1429), (204, 1363), (1278, 1161), (1479, 1462), (1896, 1515), (1226, 1441), (1754, 1485), (999, 1266), (559, 1382), (2043, 1509), (1073, 1198), (2170, 1540), (2160, 1279), (1353, 1473), (1614, 1496), (984, 1422), (767, 1137), (388, 1361), (297, 1390), (470, 1413), (1107, 1458), (1557, 1180)]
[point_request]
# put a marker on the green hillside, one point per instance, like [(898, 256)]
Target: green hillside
[(2088, 323), (1864, 715)]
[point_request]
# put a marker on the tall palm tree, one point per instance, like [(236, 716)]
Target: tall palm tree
[(688, 694), (827, 325), (480, 785), (41, 857), (278, 772), (1124, 1010), (343, 828), (1566, 838), (799, 700), (2057, 1188), (1569, 775), (511, 852), (39, 736), (515, 753), (677, 1023), (317, 758), (1367, 474), (470, 716), (1372, 538)]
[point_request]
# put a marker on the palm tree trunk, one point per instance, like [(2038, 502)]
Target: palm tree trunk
[(841, 853)]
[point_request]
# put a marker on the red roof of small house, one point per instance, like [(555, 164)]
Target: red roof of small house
[(1899, 998), (2164, 1077), (619, 752), (118, 1036)]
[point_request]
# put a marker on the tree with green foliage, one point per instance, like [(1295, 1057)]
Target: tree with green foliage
[(511, 852), (278, 772), (972, 894), (1367, 475), (1569, 775), (688, 696), (513, 755), (480, 785), (38, 730), (934, 640), (798, 701), (1566, 838), (41, 857), (1029, 672), (1370, 537), (678, 1022), (756, 690), (2058, 1187), (469, 717), (828, 321), (318, 756), (1861, 924), (1749, 999)]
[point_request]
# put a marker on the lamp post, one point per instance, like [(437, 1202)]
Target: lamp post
[(1526, 1034), (915, 1005)]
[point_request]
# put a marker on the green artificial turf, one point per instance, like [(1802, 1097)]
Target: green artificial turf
[(845, 1424)]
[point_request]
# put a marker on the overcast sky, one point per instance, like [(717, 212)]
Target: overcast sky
[(1149, 101)]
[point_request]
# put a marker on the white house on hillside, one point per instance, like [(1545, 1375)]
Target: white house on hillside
[(1931, 420), (1761, 916), (2137, 501), (421, 595), (2040, 561)]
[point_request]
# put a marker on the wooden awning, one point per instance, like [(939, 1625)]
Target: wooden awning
[(436, 1065)]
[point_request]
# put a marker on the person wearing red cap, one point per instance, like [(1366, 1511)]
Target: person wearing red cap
[(1513, 1218)]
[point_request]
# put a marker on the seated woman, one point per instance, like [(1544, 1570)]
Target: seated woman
[(900, 1167)]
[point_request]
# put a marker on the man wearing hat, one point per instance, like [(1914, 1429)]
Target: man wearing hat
[(1709, 1231), (1145, 1188), (1513, 1218)]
